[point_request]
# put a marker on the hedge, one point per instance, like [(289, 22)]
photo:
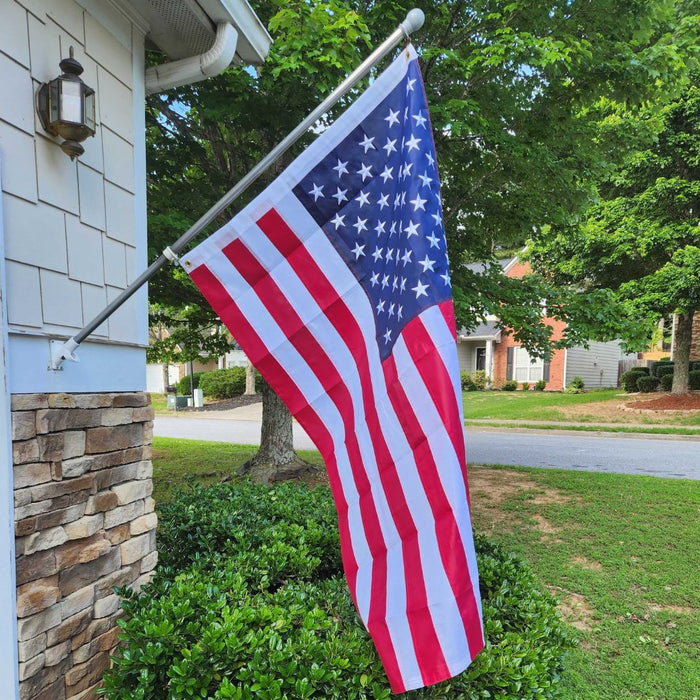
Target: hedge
[(628, 380), (694, 380), (249, 601), (474, 381), (667, 382), (509, 385), (647, 384), (184, 386), (226, 383)]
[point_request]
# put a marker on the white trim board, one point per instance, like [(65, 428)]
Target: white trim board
[(9, 679)]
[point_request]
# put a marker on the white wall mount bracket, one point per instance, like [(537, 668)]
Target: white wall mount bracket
[(61, 351)]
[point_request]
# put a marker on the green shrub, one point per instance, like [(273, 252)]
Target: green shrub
[(647, 384), (667, 382), (694, 379), (640, 369), (540, 384), (628, 380), (525, 386), (226, 383), (575, 386), (184, 387), (474, 381), (662, 369), (225, 517), (467, 381), (266, 613), (509, 385), (695, 364)]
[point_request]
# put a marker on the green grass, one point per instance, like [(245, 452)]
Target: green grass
[(176, 462), (532, 405), (159, 403), (547, 406), (622, 551), (649, 430)]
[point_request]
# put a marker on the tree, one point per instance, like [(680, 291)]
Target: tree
[(516, 89), (641, 240), (508, 82), (205, 137)]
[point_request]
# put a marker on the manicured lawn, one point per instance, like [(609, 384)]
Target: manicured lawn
[(533, 405), (159, 403), (177, 462), (620, 553), (592, 407)]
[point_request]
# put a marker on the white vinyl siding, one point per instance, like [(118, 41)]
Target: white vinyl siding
[(597, 365)]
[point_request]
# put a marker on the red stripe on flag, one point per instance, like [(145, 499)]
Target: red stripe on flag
[(438, 382), (452, 548), (308, 347), (448, 312), (280, 381), (424, 636)]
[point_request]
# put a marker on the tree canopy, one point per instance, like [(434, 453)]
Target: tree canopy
[(517, 88), (641, 239)]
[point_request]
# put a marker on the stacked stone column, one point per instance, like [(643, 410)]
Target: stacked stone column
[(84, 524)]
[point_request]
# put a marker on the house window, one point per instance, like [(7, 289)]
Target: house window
[(526, 369), (480, 359)]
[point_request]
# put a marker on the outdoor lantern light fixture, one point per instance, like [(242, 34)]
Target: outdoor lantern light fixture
[(66, 107)]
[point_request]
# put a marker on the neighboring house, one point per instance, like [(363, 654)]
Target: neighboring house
[(501, 356), (75, 449)]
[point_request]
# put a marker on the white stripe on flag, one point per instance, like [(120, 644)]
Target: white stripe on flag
[(440, 445), (440, 596), (295, 364)]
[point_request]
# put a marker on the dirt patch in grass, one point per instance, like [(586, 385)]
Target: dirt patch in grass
[(681, 610), (587, 564), (611, 412), (574, 609), (544, 526), (498, 485)]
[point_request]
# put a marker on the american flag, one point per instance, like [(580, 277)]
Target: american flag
[(335, 282)]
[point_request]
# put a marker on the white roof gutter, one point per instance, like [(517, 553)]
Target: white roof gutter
[(195, 68)]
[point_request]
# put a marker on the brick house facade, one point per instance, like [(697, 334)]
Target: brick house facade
[(500, 355)]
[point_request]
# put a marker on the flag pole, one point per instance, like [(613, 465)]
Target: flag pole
[(61, 351)]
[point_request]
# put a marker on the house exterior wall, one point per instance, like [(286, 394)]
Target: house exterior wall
[(597, 366), (74, 232), (500, 355), (72, 236), (466, 353), (84, 523)]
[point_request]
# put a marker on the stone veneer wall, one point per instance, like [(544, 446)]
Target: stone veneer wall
[(84, 523)]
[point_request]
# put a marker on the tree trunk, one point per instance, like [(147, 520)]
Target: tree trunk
[(682, 337), (276, 459), (249, 379), (165, 367)]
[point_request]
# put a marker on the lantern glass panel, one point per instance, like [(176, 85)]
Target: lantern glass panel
[(90, 109), (71, 102), (53, 101)]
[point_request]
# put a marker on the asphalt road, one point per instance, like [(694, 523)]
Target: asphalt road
[(670, 458)]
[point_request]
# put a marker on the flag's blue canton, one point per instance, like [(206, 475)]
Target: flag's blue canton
[(377, 198)]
